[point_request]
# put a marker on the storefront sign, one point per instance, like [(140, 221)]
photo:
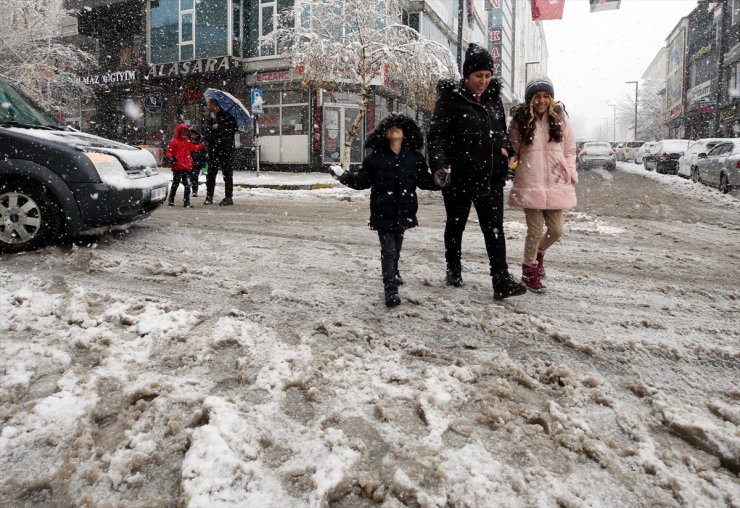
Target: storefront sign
[(728, 112), (111, 77), (166, 70), (699, 91), (266, 77), (192, 67), (703, 51), (673, 113), (495, 28), (153, 103)]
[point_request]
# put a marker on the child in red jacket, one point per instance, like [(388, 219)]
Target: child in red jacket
[(179, 153)]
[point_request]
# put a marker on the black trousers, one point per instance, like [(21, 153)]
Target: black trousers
[(220, 163), (390, 251), (177, 177), (490, 210), (194, 176)]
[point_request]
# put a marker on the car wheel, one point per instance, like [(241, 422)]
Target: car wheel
[(695, 175), (724, 184), (29, 218)]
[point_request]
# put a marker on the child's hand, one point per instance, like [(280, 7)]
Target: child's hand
[(336, 171)]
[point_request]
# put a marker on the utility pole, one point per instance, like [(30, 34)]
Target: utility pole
[(720, 64), (460, 20), (606, 134), (636, 83), (614, 120)]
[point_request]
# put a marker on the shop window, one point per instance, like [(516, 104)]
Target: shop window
[(285, 128), (294, 97), (294, 120)]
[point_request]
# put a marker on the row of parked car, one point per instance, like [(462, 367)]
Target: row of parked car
[(712, 161)]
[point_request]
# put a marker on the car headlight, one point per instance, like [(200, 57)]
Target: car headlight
[(109, 168)]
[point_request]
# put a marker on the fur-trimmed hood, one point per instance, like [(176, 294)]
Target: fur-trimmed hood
[(448, 86), (413, 138)]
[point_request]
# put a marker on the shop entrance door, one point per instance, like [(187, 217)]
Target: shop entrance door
[(338, 120)]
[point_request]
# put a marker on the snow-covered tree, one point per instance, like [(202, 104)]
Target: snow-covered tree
[(354, 44), (34, 57), (650, 125)]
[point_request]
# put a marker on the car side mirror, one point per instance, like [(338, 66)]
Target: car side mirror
[(702, 155)]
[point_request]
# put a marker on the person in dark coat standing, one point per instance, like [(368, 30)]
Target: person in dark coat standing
[(468, 151), (220, 143), (393, 171)]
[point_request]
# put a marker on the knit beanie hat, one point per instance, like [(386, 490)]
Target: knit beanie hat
[(477, 59), (541, 84)]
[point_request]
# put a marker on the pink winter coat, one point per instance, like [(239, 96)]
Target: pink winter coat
[(546, 176)]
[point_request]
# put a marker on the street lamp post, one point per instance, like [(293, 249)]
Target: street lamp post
[(460, 20), (526, 70), (635, 83), (606, 134), (614, 121)]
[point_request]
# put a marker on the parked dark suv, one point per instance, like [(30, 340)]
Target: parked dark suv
[(56, 181)]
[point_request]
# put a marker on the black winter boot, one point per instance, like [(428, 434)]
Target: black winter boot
[(504, 286), (390, 285), (454, 278)]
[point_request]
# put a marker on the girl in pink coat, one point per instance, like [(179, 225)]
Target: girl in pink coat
[(544, 184)]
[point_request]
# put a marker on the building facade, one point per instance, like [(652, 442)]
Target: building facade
[(701, 75), (157, 56)]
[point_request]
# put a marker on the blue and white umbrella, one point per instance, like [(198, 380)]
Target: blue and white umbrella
[(232, 105)]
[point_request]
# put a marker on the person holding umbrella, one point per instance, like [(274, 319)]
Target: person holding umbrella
[(220, 142)]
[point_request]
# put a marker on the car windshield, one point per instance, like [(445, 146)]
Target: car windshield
[(18, 109), (634, 144)]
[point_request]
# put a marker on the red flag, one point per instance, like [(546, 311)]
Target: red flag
[(547, 9)]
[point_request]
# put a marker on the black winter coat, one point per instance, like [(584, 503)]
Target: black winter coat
[(467, 136), (393, 180), (220, 141)]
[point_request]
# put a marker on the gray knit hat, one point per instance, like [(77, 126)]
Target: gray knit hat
[(541, 84)]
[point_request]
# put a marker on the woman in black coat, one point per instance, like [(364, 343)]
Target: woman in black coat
[(393, 171), (469, 148)]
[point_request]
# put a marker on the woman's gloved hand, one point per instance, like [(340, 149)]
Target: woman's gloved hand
[(336, 171)]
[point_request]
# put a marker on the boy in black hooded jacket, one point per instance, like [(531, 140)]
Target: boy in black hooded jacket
[(393, 171)]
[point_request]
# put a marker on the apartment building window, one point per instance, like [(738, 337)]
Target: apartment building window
[(187, 29), (732, 89), (237, 30), (267, 22)]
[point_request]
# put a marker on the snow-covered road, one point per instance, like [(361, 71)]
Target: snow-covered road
[(243, 356)]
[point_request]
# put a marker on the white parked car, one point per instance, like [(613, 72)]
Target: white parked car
[(687, 162), (720, 167), (663, 156), (627, 150), (644, 149)]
